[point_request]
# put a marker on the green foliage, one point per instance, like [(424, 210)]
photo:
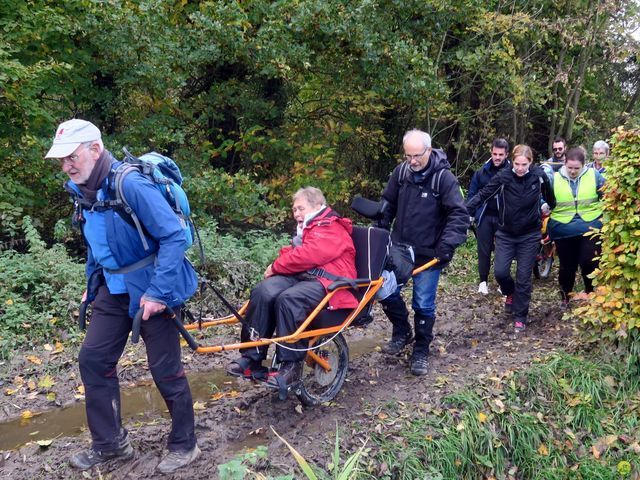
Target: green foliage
[(39, 292), (257, 98), (614, 311), (234, 264), (566, 417)]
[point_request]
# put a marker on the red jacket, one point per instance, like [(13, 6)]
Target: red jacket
[(326, 244)]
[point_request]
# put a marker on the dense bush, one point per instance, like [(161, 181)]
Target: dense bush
[(233, 264), (614, 311), (39, 292)]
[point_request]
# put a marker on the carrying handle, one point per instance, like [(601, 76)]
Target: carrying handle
[(82, 317), (137, 322)]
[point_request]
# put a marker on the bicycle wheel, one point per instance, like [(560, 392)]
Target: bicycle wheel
[(318, 385)]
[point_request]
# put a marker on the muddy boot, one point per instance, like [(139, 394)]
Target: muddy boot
[(176, 460), (401, 335), (86, 459), (424, 335)]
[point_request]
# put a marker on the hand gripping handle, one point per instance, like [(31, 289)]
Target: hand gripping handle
[(137, 322)]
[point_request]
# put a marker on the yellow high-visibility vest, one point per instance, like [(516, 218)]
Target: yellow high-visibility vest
[(586, 202)]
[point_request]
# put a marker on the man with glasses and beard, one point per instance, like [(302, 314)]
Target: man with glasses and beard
[(556, 161)]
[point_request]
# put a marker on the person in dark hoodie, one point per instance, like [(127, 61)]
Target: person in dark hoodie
[(114, 248), (426, 207), (294, 285), (520, 190), (486, 217)]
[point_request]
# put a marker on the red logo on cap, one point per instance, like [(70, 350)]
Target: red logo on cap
[(60, 131)]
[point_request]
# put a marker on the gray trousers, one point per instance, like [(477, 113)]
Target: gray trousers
[(522, 249)]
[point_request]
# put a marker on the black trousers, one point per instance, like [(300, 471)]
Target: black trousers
[(106, 338), (280, 303), (485, 234), (574, 252), (522, 249)]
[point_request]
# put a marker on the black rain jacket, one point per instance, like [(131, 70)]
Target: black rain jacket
[(520, 199), (433, 221)]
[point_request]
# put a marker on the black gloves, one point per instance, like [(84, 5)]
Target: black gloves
[(444, 254)]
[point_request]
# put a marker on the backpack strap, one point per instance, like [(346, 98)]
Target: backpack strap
[(435, 183), (403, 173), (116, 184)]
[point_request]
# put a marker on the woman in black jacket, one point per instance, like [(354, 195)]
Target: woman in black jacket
[(521, 190)]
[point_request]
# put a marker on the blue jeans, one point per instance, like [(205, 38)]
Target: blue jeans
[(425, 287)]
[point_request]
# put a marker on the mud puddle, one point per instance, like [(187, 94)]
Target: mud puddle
[(141, 403)]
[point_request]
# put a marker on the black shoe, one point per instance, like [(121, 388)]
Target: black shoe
[(287, 376), (246, 368), (397, 344), (419, 364), (90, 458)]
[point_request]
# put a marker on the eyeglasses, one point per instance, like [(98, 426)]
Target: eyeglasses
[(559, 149), (71, 159), (408, 158)]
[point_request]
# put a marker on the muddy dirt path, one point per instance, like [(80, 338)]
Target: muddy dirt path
[(474, 338)]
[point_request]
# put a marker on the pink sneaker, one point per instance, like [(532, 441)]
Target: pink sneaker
[(519, 326)]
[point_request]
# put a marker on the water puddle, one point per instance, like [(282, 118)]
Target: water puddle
[(140, 403)]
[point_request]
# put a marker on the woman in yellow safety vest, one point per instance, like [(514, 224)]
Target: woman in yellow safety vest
[(578, 210)]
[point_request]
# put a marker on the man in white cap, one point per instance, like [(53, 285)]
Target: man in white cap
[(122, 278)]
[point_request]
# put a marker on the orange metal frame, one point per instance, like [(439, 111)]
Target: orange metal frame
[(302, 332)]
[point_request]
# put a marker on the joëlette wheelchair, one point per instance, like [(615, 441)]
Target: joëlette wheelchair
[(327, 360)]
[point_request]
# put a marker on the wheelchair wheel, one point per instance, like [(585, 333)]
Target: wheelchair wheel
[(544, 261), (318, 385)]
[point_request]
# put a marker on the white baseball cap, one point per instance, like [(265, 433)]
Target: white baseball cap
[(69, 136)]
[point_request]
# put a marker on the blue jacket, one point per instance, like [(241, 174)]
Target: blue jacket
[(113, 243), (481, 178)]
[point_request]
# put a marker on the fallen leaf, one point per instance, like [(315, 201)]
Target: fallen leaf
[(44, 443), (34, 359), (27, 414), (80, 389), (47, 347), (51, 397), (217, 396), (199, 406), (543, 450), (46, 382), (31, 385), (298, 409), (482, 417), (59, 348)]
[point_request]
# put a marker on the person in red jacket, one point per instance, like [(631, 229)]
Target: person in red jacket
[(290, 292)]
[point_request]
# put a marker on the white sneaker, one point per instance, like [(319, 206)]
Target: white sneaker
[(483, 289)]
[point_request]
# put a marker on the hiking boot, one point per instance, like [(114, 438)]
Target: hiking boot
[(86, 459), (483, 289), (419, 364), (508, 304), (519, 326), (397, 344), (246, 368), (287, 375), (175, 460)]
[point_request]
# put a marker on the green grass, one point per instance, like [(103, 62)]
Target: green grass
[(567, 417)]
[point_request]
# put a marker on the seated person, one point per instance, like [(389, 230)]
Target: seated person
[(284, 299)]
